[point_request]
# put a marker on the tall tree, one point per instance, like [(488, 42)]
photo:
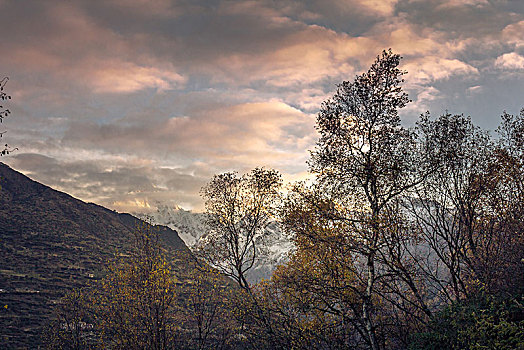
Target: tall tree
[(206, 309), (445, 207), (131, 307), (316, 294), (365, 157)]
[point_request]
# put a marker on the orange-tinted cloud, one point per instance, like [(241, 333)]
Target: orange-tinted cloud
[(510, 61)]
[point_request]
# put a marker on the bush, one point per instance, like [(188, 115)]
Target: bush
[(482, 322)]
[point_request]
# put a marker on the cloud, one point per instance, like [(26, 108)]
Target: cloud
[(251, 133), (512, 34), (424, 96), (475, 89), (121, 77), (430, 69), (77, 49), (381, 7), (161, 8), (312, 55), (460, 19), (126, 102), (234, 137), (510, 61), (461, 3), (123, 186)]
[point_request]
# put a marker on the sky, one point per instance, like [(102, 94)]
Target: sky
[(134, 103)]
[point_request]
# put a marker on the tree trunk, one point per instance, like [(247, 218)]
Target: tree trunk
[(367, 305)]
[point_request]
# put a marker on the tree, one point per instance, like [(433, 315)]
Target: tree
[(73, 326), (481, 322), (4, 112), (468, 211), (445, 208), (132, 307), (366, 159), (501, 245), (206, 309), (135, 303), (141, 304), (367, 168), (238, 210), (315, 295)]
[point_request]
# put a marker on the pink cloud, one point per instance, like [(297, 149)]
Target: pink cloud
[(305, 57), (229, 86), (270, 133), (379, 7), (429, 69), (510, 61), (124, 77), (512, 34), (77, 49)]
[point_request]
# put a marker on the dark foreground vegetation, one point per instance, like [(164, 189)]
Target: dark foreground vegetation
[(408, 238)]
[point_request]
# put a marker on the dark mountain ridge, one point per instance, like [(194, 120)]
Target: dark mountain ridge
[(50, 243)]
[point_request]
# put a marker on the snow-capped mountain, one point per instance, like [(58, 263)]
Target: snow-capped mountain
[(278, 253), (191, 227)]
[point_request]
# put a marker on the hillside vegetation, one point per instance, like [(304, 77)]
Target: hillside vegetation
[(51, 243)]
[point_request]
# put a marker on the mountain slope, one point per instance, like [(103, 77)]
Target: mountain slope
[(51, 242)]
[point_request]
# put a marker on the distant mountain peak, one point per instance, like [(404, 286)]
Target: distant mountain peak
[(191, 228)]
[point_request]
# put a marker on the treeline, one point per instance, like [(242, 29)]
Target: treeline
[(407, 238)]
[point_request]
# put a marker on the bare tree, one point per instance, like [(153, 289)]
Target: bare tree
[(72, 327), (238, 211), (445, 207)]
